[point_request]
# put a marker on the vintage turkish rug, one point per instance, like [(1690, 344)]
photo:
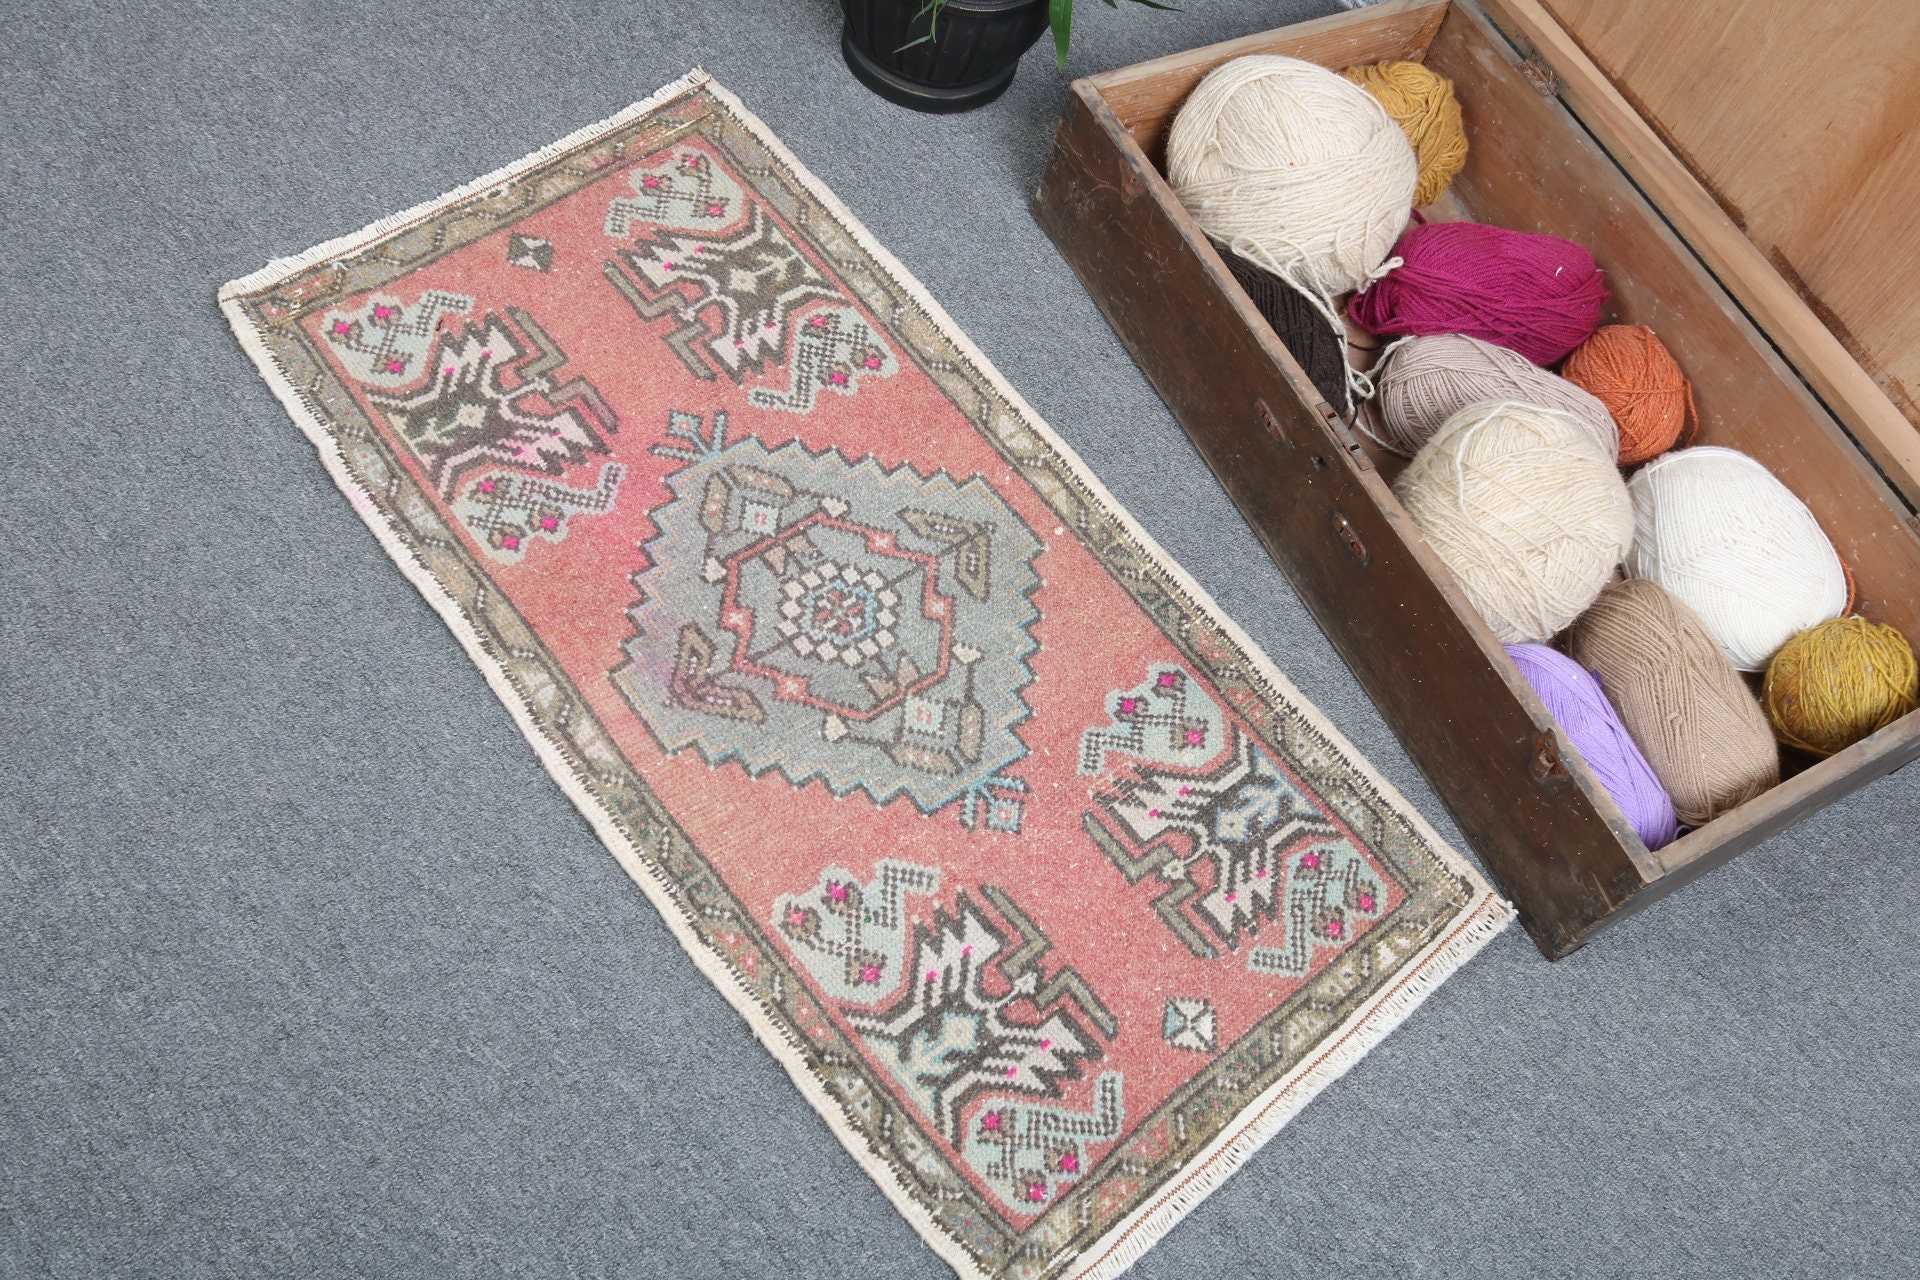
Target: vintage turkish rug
[(1052, 894)]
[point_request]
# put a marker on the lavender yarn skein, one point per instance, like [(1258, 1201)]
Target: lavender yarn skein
[(1574, 696)]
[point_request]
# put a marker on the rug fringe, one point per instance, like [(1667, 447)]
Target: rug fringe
[(1121, 1247)]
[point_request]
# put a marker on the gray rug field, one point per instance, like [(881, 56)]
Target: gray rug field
[(306, 968)]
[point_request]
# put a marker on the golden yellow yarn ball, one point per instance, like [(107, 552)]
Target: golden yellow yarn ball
[(1834, 684), (1421, 102)]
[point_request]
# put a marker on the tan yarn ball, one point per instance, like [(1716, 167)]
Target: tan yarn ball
[(1426, 380), (1294, 169), (1834, 684), (1686, 708), (1527, 511), (1421, 102)]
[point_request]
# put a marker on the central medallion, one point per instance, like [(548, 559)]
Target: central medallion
[(835, 620)]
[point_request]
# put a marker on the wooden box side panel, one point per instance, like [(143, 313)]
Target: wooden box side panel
[(1804, 128), (1559, 851), (1532, 167)]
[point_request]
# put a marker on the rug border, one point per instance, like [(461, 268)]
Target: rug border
[(1484, 916)]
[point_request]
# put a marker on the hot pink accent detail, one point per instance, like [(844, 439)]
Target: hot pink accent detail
[(342, 328), (990, 1121), (1070, 1163), (395, 366), (1168, 679), (1195, 737), (1153, 813), (1230, 895), (488, 486), (870, 974), (933, 975), (650, 181), (1366, 902), (715, 210), (1261, 874), (381, 313), (1046, 1043), (1186, 790), (1012, 1072), (837, 378), (873, 362), (837, 891), (1335, 928), (796, 917), (1037, 1192), (549, 523), (1309, 860), (511, 542), (1127, 706)]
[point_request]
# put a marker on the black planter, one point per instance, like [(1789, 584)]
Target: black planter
[(969, 62)]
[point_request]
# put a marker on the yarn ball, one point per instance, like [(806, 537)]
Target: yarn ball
[(1424, 381), (1686, 708), (1294, 169), (1834, 684), (1591, 724), (1421, 102), (1525, 508), (1536, 294), (1718, 530), (1322, 353), (1632, 373)]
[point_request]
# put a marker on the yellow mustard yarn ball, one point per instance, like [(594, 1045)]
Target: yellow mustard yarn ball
[(1834, 684), (1421, 102)]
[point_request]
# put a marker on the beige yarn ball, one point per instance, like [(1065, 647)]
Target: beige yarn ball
[(1718, 530), (1295, 169), (1426, 380), (1686, 708), (1526, 508)]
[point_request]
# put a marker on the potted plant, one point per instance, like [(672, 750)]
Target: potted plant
[(950, 55)]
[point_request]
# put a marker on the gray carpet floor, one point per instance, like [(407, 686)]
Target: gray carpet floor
[(307, 968)]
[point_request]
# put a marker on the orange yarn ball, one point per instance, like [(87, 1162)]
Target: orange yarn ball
[(1628, 369)]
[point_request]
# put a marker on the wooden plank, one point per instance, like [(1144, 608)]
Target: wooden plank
[(1146, 95), (1532, 167), (1327, 518), (1857, 251), (1699, 851)]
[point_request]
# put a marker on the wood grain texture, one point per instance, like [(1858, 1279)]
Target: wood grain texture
[(1801, 116)]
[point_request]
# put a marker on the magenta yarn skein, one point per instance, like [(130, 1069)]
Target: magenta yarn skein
[(1574, 696), (1535, 294)]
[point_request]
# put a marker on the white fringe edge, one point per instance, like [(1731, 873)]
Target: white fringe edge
[(1486, 914), (1256, 1124)]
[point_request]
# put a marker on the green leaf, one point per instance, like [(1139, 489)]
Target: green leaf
[(1154, 4), (1060, 18), (930, 7)]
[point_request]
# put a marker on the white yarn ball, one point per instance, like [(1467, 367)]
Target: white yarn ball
[(1526, 508), (1426, 380), (1296, 169), (1719, 531)]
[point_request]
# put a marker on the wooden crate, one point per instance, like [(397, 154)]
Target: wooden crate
[(1319, 497)]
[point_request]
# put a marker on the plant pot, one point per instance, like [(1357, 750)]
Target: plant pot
[(969, 62)]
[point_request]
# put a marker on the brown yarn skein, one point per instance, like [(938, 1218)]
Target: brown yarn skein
[(1321, 352), (1682, 702), (1628, 369)]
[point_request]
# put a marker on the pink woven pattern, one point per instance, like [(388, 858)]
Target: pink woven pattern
[(1535, 294)]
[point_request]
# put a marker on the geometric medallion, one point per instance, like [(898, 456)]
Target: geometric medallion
[(829, 619)]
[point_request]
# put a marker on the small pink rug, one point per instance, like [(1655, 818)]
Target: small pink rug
[(1052, 894)]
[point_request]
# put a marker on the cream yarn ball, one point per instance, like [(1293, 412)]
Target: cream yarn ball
[(1526, 508), (1295, 169), (1426, 380), (1718, 530)]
